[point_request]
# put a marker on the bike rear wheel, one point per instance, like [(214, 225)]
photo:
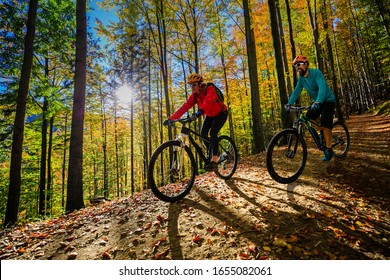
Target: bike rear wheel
[(340, 139), (286, 156), (171, 171), (228, 157)]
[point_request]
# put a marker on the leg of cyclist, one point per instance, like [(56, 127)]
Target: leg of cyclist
[(327, 112), (206, 126), (213, 125), (314, 114)]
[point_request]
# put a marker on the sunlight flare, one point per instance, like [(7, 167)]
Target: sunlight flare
[(124, 95)]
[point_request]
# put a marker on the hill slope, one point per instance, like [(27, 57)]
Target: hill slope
[(336, 210)]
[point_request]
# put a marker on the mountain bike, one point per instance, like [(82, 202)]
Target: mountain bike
[(287, 151), (172, 167)]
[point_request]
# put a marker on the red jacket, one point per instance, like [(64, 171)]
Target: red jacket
[(209, 103)]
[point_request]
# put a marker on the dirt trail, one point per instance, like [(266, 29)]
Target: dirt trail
[(336, 210)]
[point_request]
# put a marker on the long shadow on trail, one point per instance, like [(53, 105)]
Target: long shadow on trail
[(313, 242)]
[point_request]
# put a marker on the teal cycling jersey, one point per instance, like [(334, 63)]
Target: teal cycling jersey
[(316, 85)]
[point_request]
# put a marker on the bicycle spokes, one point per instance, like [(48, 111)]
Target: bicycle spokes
[(171, 171), (340, 140), (286, 156), (227, 162)]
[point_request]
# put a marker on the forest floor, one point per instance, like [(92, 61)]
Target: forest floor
[(335, 210)]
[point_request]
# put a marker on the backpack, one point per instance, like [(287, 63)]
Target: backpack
[(217, 90)]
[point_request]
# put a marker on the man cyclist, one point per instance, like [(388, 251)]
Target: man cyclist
[(323, 99), (209, 105)]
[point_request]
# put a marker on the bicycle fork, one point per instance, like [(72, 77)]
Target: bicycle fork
[(177, 159), (290, 153)]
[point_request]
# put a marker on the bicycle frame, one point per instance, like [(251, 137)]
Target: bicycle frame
[(313, 132), (185, 133), (311, 126)]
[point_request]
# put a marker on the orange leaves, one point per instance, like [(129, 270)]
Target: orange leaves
[(337, 232), (292, 239), (159, 241), (212, 231), (310, 215), (252, 248), (22, 250), (243, 256), (103, 241), (197, 239), (161, 219), (326, 197), (147, 226), (162, 255), (39, 235), (106, 255)]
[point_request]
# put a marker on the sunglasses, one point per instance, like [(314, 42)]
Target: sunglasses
[(296, 65), (193, 85)]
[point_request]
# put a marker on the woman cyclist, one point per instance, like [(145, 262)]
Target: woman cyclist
[(210, 105)]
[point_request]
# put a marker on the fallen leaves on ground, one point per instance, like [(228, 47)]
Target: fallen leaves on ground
[(338, 210)]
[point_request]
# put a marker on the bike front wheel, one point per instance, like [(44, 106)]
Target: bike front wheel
[(286, 156), (171, 171), (228, 157), (340, 139)]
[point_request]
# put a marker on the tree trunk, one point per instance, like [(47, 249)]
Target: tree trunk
[(383, 11), (64, 161), (11, 214), (343, 97), (132, 145), (163, 58), (279, 62), (283, 47), (230, 118), (49, 191), (145, 145), (258, 139), (292, 42), (117, 177), (316, 36), (75, 198), (104, 132), (42, 175), (149, 101), (331, 62)]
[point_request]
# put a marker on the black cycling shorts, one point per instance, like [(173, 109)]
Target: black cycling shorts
[(326, 111)]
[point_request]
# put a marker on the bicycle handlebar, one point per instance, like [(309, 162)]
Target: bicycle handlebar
[(182, 121), (297, 108)]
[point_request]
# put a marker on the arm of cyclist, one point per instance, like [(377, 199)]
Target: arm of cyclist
[(184, 108)]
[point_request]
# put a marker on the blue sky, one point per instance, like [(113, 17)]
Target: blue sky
[(101, 14)]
